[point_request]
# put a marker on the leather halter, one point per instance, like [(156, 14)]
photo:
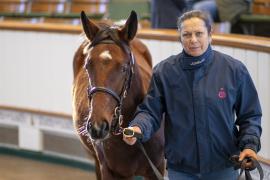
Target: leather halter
[(109, 36)]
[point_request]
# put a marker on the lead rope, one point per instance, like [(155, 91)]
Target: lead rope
[(241, 165), (247, 171), (130, 133), (154, 168)]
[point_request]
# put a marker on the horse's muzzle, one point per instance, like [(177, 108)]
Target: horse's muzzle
[(98, 130)]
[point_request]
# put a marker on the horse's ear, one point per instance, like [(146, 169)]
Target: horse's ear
[(90, 29), (129, 30)]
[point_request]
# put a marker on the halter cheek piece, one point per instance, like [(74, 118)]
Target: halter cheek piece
[(109, 36)]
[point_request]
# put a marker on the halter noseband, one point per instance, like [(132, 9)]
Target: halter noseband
[(109, 36)]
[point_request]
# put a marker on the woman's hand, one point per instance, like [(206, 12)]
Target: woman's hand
[(132, 140), (248, 153)]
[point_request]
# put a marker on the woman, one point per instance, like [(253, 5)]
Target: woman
[(201, 91)]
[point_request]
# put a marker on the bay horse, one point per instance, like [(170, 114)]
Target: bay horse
[(112, 70)]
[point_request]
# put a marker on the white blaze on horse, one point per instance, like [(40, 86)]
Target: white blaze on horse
[(112, 70)]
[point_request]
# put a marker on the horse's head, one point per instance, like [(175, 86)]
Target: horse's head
[(109, 64)]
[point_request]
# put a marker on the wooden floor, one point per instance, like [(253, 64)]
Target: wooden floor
[(17, 168)]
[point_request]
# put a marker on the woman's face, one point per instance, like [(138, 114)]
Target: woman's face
[(194, 36)]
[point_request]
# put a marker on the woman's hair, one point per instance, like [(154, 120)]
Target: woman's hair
[(196, 14)]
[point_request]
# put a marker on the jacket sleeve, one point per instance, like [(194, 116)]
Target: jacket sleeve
[(148, 115), (248, 112)]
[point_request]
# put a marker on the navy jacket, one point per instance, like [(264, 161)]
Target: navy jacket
[(209, 115)]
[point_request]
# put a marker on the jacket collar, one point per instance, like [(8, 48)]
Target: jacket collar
[(190, 62)]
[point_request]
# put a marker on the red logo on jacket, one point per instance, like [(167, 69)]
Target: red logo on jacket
[(221, 93)]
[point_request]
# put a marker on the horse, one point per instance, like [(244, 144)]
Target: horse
[(112, 71)]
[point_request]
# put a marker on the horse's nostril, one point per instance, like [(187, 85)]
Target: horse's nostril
[(98, 130)]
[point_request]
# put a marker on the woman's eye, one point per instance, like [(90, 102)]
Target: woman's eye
[(198, 34)]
